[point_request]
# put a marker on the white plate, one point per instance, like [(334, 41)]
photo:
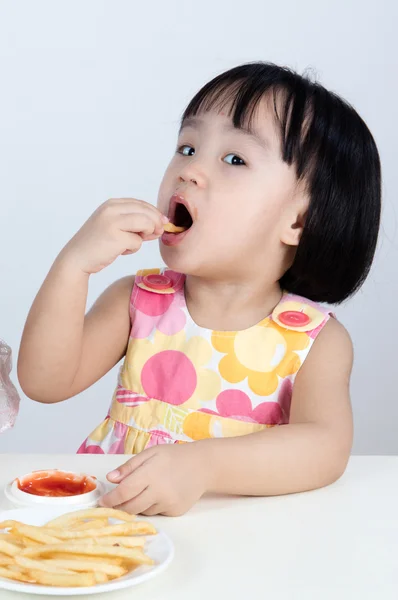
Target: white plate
[(159, 547)]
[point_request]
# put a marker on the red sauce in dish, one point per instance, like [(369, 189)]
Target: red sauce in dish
[(56, 484)]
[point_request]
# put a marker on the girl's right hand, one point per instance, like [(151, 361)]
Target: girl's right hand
[(119, 226)]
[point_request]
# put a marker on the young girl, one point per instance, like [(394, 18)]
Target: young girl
[(274, 190)]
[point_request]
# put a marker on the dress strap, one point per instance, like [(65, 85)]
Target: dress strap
[(154, 290), (302, 315), (160, 281)]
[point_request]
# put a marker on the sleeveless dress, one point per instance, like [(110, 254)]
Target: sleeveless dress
[(180, 382)]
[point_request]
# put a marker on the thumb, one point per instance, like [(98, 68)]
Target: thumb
[(128, 467)]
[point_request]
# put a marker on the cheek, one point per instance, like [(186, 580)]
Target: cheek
[(165, 189)]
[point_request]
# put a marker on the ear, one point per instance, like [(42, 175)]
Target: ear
[(294, 220), (291, 235)]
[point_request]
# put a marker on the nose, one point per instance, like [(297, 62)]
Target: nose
[(193, 175)]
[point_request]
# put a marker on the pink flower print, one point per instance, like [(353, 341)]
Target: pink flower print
[(314, 333), (158, 437), (159, 378), (152, 304), (90, 449), (150, 312), (120, 432), (235, 404), (284, 400), (128, 397)]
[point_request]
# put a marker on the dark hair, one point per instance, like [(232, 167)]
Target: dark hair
[(335, 154)]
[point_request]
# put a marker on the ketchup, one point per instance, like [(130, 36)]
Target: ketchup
[(56, 484)]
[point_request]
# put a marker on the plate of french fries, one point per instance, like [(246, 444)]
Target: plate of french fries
[(53, 552)]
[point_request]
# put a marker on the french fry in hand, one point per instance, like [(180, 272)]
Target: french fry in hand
[(171, 228)]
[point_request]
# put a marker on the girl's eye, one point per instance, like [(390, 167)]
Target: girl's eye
[(233, 159), (186, 150)]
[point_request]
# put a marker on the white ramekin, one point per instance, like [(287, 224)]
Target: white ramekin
[(19, 498)]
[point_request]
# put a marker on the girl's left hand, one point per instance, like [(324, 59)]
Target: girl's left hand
[(165, 479)]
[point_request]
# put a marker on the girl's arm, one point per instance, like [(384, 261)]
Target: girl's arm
[(310, 452), (63, 351), (313, 449)]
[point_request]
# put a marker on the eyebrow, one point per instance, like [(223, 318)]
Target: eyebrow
[(194, 123)]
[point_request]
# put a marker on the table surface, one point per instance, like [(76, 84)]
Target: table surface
[(337, 542)]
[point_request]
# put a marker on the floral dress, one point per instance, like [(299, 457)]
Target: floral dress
[(180, 382)]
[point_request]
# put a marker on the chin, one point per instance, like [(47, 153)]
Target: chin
[(190, 263), (176, 260)]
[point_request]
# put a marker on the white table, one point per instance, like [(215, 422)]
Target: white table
[(339, 543)]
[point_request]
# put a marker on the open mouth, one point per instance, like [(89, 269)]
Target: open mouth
[(182, 217), (179, 215)]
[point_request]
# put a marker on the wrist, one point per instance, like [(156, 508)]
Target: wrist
[(204, 463), (69, 268)]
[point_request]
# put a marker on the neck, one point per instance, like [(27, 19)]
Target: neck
[(230, 305)]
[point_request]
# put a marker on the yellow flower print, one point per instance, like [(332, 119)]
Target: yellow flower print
[(200, 425), (260, 354), (171, 368)]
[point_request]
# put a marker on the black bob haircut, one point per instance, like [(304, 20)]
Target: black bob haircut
[(334, 153)]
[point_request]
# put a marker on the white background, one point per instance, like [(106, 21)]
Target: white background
[(91, 94)]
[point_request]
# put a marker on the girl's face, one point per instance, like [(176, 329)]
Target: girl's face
[(242, 201)]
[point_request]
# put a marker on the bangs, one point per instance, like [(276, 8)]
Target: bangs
[(240, 90)]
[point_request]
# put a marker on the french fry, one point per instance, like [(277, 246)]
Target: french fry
[(139, 527), (13, 539), (16, 568), (133, 555), (27, 542), (110, 561), (34, 533), (126, 541), (90, 513), (93, 524), (9, 549), (81, 565), (7, 524), (171, 228), (60, 580), (100, 577), (10, 574), (41, 565), (80, 549)]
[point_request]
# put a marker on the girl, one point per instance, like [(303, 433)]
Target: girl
[(275, 194)]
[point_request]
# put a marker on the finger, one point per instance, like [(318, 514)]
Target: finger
[(115, 208), (129, 466), (123, 206), (144, 207), (153, 236), (152, 511), (130, 202), (139, 504), (126, 490), (141, 223), (132, 242)]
